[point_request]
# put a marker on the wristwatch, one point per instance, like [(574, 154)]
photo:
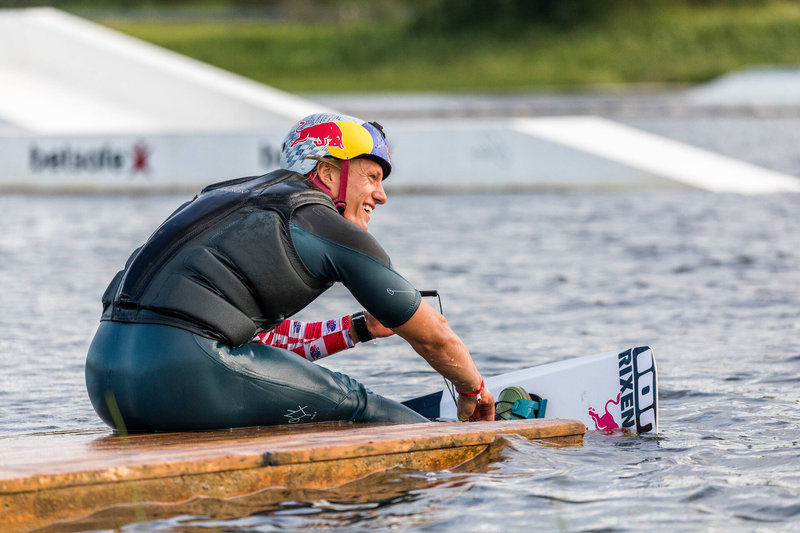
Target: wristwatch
[(359, 325)]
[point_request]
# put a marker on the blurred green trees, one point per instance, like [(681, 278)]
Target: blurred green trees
[(435, 15), (506, 15), (402, 45)]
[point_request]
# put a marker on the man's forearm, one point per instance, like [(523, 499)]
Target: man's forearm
[(431, 337)]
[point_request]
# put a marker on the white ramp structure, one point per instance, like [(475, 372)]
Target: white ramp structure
[(84, 108), (660, 156), (64, 75)]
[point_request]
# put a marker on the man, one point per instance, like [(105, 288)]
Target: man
[(173, 350)]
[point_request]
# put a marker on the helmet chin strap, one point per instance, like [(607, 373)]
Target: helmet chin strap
[(340, 202)]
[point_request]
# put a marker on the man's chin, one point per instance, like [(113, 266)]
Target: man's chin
[(363, 224)]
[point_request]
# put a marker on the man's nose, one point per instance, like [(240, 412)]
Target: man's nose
[(380, 194)]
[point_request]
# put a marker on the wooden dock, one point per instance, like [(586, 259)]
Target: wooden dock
[(52, 477)]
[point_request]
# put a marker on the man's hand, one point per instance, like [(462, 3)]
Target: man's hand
[(469, 409)]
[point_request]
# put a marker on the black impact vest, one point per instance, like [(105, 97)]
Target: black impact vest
[(222, 265)]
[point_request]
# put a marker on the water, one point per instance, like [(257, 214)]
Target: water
[(711, 282)]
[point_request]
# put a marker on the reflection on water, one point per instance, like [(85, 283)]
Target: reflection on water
[(710, 281)]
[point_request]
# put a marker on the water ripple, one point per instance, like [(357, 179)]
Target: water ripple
[(707, 280)]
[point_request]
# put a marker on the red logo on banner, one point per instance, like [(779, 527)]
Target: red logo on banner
[(141, 153)]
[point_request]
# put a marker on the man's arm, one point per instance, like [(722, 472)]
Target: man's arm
[(333, 249), (429, 334), (376, 329)]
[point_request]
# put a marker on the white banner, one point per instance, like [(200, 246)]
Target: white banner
[(133, 162)]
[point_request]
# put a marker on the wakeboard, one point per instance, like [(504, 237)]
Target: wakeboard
[(612, 392)]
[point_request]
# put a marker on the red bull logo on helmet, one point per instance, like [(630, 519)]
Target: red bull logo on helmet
[(342, 139), (331, 134), (322, 134)]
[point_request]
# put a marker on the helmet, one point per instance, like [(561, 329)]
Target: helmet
[(339, 136)]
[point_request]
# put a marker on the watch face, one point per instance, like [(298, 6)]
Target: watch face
[(360, 326)]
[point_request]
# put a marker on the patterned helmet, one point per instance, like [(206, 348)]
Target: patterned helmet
[(330, 134)]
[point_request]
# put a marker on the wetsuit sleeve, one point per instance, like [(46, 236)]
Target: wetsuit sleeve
[(334, 249)]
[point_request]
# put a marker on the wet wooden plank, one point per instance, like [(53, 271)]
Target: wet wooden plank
[(51, 477)]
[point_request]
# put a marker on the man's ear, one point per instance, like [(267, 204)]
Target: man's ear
[(329, 175)]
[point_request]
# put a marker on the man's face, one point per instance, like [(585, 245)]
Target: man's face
[(364, 191)]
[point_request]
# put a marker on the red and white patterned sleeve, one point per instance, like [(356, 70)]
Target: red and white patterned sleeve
[(312, 340)]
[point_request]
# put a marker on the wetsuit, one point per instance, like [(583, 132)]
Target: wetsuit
[(172, 351)]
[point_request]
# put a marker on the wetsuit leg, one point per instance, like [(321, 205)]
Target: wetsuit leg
[(164, 378)]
